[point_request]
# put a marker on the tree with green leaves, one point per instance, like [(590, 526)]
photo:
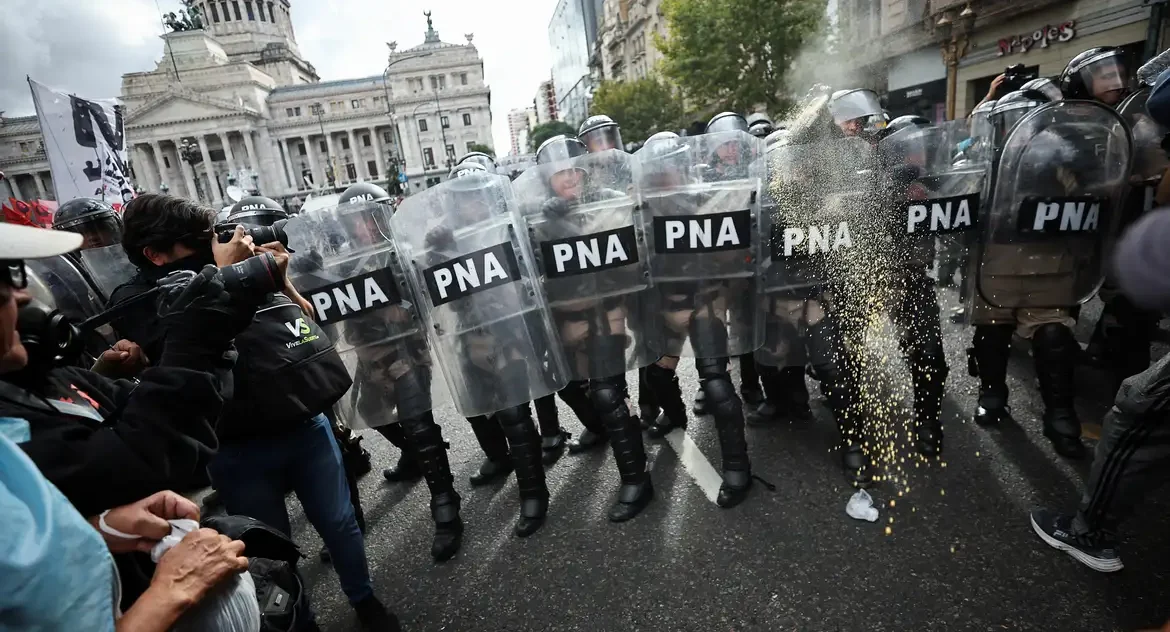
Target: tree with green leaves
[(641, 107), (735, 54), (545, 131), (482, 149)]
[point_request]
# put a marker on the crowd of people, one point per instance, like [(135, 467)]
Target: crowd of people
[(153, 352)]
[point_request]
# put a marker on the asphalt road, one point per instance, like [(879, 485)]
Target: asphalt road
[(955, 551)]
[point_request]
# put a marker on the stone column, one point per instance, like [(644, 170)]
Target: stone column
[(383, 166), (11, 180), (254, 162), (290, 164), (357, 160), (147, 171), (228, 156), (331, 159), (316, 162), (37, 183), (158, 165), (188, 172), (213, 194)]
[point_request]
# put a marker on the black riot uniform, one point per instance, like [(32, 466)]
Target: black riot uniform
[(914, 309), (493, 357), (380, 385), (696, 311), (607, 393), (749, 385)]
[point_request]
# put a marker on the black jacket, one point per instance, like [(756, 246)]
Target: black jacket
[(154, 434)]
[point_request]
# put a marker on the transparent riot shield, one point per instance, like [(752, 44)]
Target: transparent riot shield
[(1149, 157), (345, 264), (75, 297), (1055, 210), (701, 201), (472, 269), (808, 195), (107, 267), (586, 234)]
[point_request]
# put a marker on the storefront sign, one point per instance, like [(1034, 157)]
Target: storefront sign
[(1041, 37)]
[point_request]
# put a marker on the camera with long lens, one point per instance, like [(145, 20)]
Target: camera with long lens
[(1014, 78), (250, 280), (260, 234)]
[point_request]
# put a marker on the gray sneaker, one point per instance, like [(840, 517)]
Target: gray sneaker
[(1095, 550)]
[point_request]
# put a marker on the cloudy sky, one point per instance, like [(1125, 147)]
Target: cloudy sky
[(88, 51)]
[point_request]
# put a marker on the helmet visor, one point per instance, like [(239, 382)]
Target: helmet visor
[(1106, 78), (854, 105), (603, 138)]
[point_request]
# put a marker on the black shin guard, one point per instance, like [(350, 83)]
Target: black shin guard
[(524, 446), (625, 436), (663, 382), (576, 397), (988, 357), (426, 438), (1055, 350), (490, 436)]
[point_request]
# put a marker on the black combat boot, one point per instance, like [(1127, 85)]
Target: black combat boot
[(826, 353), (552, 438), (750, 391), (407, 467), (987, 359), (786, 397), (664, 383), (524, 446), (648, 407), (727, 409), (625, 438), (1055, 350), (426, 438), (928, 372), (494, 444), (576, 397)]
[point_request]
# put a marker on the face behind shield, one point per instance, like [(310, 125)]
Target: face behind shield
[(1106, 80), (603, 138), (854, 110)]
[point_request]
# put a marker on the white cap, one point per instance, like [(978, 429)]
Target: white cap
[(29, 242)]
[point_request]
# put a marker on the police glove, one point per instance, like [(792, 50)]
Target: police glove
[(199, 316), (555, 207)]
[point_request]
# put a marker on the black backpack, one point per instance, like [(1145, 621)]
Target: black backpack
[(272, 562)]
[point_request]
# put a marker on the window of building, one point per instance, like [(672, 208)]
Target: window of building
[(166, 162), (438, 82), (372, 166), (462, 78), (236, 9), (216, 155), (354, 104), (336, 106), (301, 149), (214, 12), (350, 171), (226, 14), (466, 119), (248, 9), (297, 110), (470, 144), (386, 137), (451, 152), (365, 140), (288, 112), (422, 125), (344, 142), (260, 11), (428, 157), (271, 13), (324, 146), (445, 122)]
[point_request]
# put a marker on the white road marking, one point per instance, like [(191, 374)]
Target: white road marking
[(697, 465)]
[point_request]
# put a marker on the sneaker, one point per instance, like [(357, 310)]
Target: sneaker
[(375, 617), (1097, 551)]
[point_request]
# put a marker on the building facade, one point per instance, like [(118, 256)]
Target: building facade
[(518, 130), (900, 49), (572, 37), (23, 161), (240, 94), (626, 38), (545, 103)]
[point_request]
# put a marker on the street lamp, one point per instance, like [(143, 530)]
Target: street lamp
[(448, 158), (319, 110), (401, 159), (191, 155), (163, 188), (954, 35)]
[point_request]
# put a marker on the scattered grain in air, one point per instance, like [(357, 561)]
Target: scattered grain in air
[(899, 493), (889, 530), (942, 492), (891, 520), (952, 549), (892, 502), (977, 453)]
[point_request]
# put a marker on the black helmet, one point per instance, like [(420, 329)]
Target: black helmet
[(1045, 86), (364, 192), (727, 122), (761, 129), (1098, 73), (479, 157), (905, 141), (559, 148), (600, 133), (1010, 108), (257, 210), (94, 219)]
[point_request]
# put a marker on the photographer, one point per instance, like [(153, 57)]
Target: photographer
[(272, 433)]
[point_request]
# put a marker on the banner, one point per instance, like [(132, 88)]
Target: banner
[(85, 142), (37, 213)]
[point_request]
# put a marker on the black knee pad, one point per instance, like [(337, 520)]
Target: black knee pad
[(1054, 337), (607, 396), (395, 435), (709, 334), (721, 398), (412, 392), (607, 351)]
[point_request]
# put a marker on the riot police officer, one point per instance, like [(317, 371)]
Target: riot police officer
[(97, 222), (1026, 284), (480, 158), (486, 329), (759, 125), (600, 133), (1096, 74), (858, 113), (601, 311)]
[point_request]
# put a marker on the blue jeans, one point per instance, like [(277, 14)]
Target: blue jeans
[(253, 476)]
